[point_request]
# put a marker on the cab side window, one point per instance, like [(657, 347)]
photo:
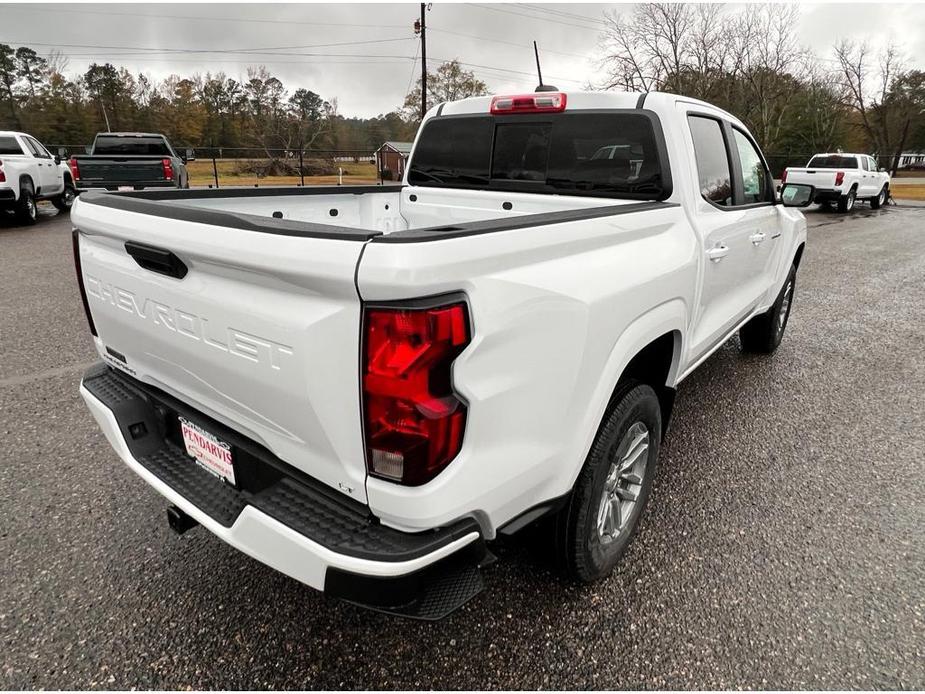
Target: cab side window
[(37, 149), (713, 170), (865, 163), (756, 180)]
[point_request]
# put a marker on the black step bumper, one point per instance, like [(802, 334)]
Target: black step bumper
[(361, 559)]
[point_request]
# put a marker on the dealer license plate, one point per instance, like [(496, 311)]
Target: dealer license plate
[(126, 187), (209, 451)]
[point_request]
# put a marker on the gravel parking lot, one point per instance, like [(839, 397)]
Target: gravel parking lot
[(784, 546)]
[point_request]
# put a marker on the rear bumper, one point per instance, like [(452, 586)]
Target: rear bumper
[(115, 185), (827, 195), (7, 196), (288, 523)]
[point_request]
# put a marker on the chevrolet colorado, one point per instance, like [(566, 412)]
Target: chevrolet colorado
[(843, 179), (361, 386), (129, 161)]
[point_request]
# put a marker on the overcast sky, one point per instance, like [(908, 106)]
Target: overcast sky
[(372, 68)]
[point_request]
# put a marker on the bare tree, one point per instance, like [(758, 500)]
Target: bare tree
[(877, 89)]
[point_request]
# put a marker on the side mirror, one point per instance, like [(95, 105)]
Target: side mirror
[(57, 159), (797, 194)]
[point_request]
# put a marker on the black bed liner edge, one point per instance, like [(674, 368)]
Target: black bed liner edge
[(156, 203)]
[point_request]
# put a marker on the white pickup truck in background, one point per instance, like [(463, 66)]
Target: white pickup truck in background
[(361, 386), (843, 179), (29, 173)]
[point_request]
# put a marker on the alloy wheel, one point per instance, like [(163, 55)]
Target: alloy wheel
[(623, 484)]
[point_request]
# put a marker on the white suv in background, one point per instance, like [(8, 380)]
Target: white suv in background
[(28, 173)]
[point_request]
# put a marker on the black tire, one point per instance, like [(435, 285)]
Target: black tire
[(763, 333), (65, 201), (879, 201), (846, 202), (26, 210), (584, 553)]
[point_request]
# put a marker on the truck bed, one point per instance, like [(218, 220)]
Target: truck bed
[(361, 213)]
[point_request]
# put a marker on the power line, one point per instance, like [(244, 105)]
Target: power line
[(9, 8), (271, 50), (533, 16), (562, 13), (507, 43)]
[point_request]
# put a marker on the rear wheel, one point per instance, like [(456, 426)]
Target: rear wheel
[(64, 201), (846, 202), (594, 530), (764, 332), (26, 210), (879, 201)]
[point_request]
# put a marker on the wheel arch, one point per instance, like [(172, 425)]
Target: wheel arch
[(26, 178), (650, 350), (799, 255)]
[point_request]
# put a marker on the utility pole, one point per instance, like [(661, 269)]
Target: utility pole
[(420, 29), (423, 61)]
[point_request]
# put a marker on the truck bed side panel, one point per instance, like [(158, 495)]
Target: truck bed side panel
[(549, 305)]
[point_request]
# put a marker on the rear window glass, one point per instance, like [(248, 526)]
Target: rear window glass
[(606, 155), (833, 161), (9, 145), (154, 146)]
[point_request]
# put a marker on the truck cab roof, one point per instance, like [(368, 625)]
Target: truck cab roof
[(583, 100)]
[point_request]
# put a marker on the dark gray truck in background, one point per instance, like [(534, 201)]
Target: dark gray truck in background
[(129, 161)]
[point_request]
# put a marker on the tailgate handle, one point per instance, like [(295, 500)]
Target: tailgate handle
[(156, 260)]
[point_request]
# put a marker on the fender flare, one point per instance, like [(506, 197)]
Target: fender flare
[(669, 317), (24, 178)]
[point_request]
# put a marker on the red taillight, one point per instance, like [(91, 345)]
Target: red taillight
[(168, 169), (543, 102), (413, 421), (2, 175), (839, 177), (80, 282), (75, 170), (783, 178)]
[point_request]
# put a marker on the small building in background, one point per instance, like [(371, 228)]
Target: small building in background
[(391, 159)]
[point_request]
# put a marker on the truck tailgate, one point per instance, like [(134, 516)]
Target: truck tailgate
[(821, 178), (261, 333), (120, 169)]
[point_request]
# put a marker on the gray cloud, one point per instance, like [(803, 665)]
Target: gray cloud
[(372, 77)]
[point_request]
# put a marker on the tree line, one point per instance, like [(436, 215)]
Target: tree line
[(750, 63), (747, 61)]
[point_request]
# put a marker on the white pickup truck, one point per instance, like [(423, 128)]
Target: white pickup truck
[(361, 386), (28, 173), (843, 179)]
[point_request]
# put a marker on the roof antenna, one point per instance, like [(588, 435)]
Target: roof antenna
[(542, 87)]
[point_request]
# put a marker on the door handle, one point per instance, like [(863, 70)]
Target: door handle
[(717, 253), (757, 238)]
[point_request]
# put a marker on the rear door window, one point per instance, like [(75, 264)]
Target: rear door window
[(605, 154), (9, 145), (713, 170)]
